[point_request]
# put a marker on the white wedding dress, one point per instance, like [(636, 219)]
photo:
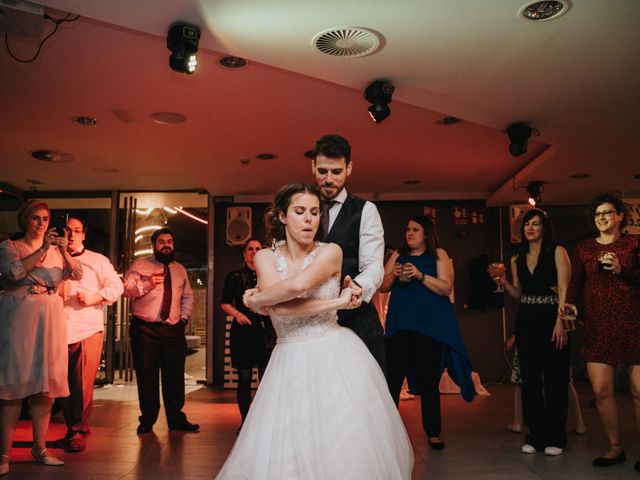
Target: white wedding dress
[(323, 409)]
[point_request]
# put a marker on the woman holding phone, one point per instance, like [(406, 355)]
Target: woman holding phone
[(33, 342)]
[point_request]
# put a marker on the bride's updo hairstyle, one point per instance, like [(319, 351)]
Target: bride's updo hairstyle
[(273, 227)]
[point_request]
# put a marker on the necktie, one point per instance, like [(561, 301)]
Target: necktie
[(326, 206), (165, 310)]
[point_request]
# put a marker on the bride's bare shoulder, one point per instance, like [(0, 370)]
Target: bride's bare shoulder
[(330, 249)]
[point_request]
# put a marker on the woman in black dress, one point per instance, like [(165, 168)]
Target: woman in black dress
[(252, 335), (541, 272)]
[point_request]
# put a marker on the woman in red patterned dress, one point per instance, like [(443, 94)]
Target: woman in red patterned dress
[(606, 282)]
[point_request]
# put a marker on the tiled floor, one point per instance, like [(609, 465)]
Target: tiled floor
[(477, 444)]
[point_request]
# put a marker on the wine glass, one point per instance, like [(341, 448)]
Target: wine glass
[(497, 269)]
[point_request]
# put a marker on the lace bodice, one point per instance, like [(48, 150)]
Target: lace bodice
[(306, 327)]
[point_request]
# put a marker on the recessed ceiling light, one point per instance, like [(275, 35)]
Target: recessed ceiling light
[(580, 176), (84, 121), (232, 63), (412, 181), (167, 118), (266, 156), (448, 121), (52, 156), (538, 11)]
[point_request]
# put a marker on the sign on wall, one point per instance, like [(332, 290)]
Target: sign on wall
[(633, 222)]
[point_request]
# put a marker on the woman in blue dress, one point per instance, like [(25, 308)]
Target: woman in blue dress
[(422, 331)]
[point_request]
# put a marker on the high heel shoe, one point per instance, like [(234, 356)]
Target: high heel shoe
[(4, 464), (436, 444), (45, 458), (515, 427), (607, 462)]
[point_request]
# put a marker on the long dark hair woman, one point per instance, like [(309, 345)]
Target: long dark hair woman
[(252, 336), (605, 284), (422, 330), (540, 272)]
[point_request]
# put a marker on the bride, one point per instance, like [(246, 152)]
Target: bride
[(323, 409)]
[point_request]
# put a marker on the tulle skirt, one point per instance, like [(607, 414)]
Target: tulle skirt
[(322, 411)]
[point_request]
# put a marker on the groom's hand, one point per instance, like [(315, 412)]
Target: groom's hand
[(356, 291)]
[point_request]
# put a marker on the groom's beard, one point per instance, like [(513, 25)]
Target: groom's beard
[(164, 256)]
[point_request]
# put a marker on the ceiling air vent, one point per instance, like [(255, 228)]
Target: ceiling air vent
[(347, 42)]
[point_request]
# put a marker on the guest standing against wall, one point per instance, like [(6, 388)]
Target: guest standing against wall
[(161, 307), (84, 304), (606, 284), (422, 330), (252, 336), (541, 272), (33, 347)]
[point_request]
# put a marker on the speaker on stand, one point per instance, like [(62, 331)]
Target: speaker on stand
[(238, 225)]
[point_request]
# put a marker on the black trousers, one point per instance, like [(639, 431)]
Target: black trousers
[(414, 351), (545, 377), (159, 349), (365, 323)]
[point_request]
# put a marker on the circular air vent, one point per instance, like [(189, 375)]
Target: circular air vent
[(347, 42)]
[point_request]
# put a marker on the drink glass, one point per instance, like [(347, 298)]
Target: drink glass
[(497, 269), (569, 320), (605, 260), (404, 275)]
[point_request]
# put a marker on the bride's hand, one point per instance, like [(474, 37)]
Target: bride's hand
[(246, 297), (345, 298)]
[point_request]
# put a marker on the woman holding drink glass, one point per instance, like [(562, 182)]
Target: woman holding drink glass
[(541, 272), (606, 282), (422, 330)]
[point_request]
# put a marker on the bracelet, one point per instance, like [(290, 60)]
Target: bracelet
[(421, 277)]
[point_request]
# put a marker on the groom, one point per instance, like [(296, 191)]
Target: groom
[(354, 224)]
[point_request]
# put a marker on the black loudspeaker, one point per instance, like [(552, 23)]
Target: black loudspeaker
[(238, 225)]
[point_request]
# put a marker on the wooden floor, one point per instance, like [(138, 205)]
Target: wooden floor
[(477, 444)]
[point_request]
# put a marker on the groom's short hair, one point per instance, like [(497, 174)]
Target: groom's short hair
[(332, 146)]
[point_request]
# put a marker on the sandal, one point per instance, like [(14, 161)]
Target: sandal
[(4, 464), (45, 458)]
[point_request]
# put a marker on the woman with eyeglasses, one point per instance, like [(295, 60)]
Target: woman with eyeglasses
[(606, 285), (540, 272)]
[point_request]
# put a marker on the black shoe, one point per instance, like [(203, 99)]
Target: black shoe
[(62, 442), (607, 462), (185, 426), (436, 445), (143, 429)]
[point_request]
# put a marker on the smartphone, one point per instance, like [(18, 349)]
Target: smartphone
[(59, 222)]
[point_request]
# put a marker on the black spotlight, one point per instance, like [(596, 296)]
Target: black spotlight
[(519, 134), (379, 94), (182, 40), (534, 189)]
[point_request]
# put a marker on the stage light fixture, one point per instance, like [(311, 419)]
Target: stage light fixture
[(534, 189), (379, 94), (519, 134), (182, 40)]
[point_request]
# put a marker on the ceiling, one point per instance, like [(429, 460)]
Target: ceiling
[(573, 78)]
